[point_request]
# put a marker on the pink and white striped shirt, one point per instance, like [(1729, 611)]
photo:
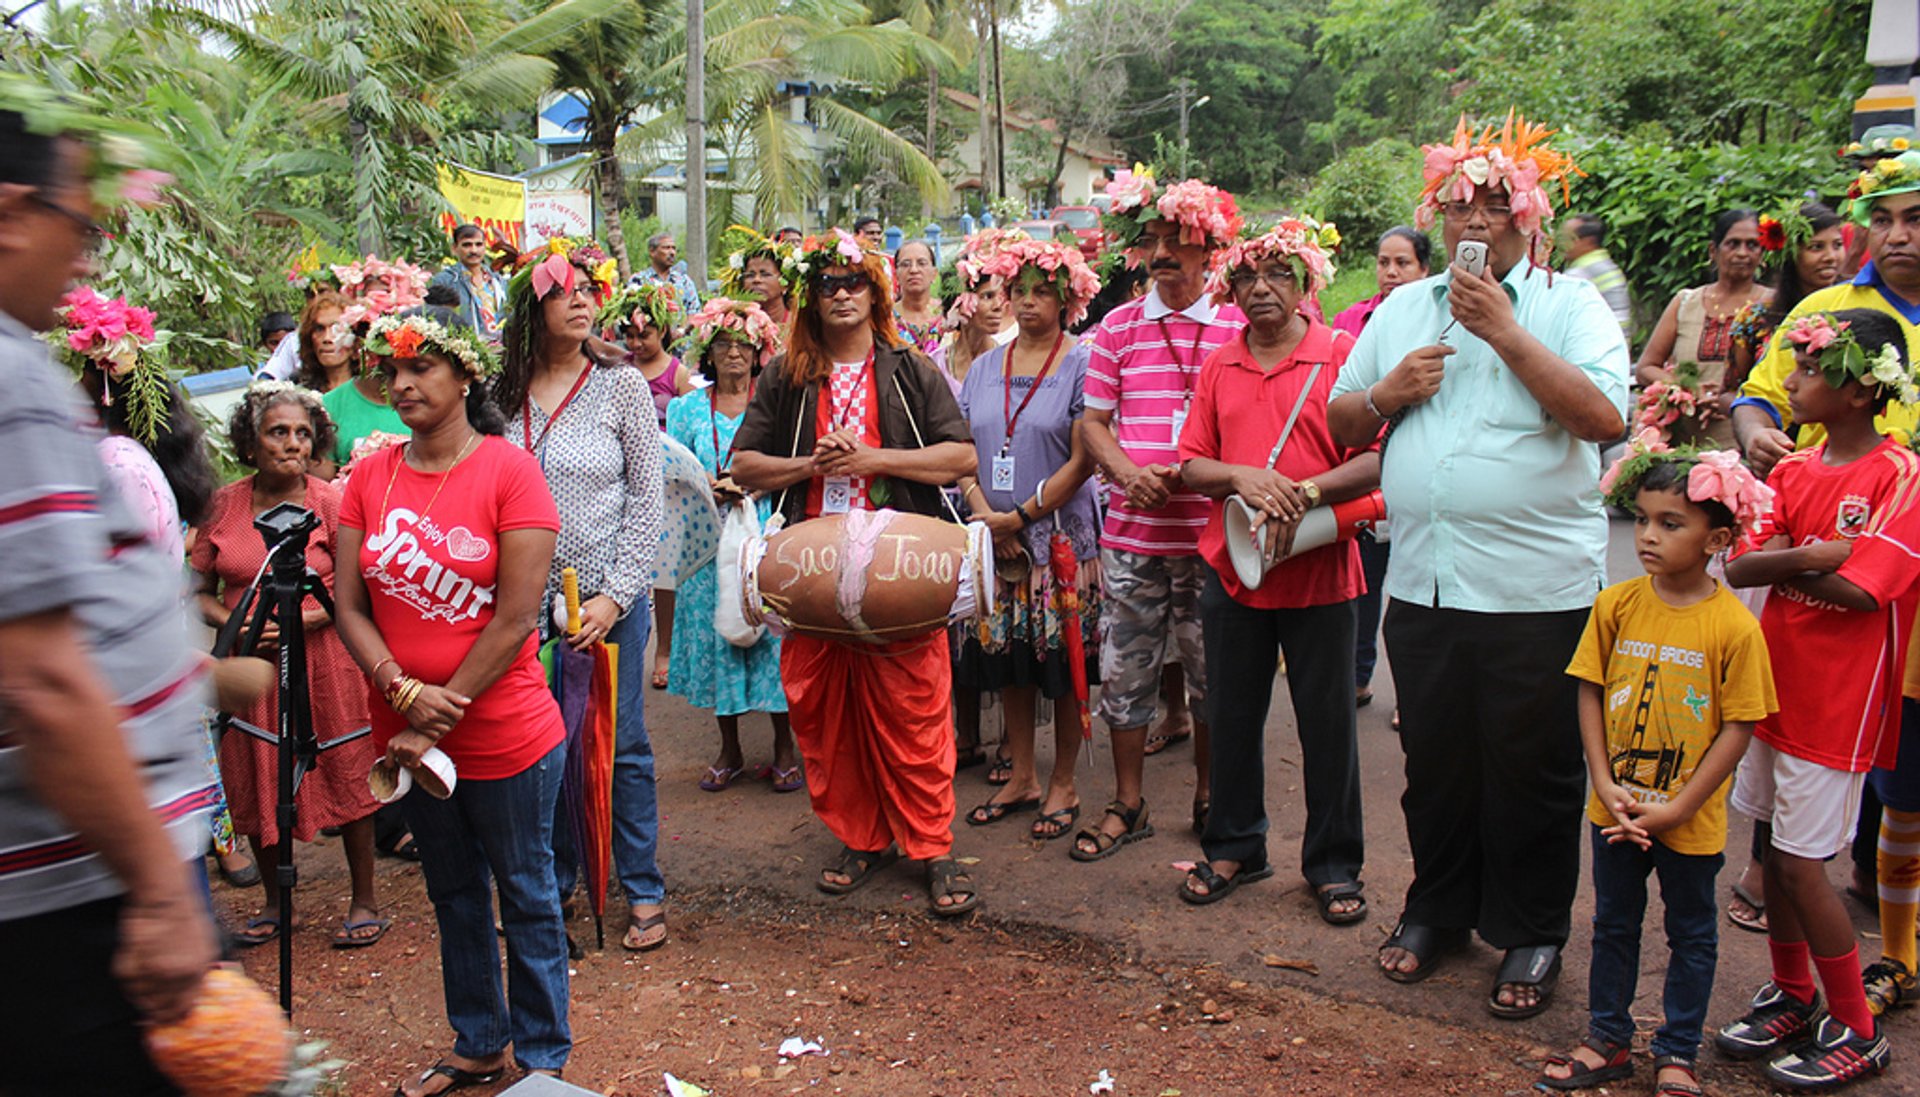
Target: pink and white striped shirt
[(1145, 359)]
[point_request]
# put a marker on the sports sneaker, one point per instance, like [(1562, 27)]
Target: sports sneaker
[(1889, 985), (1774, 1022), (1835, 1056)]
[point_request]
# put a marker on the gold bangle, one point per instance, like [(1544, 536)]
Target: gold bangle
[(374, 674), (413, 694)]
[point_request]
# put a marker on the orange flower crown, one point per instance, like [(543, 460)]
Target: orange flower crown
[(1515, 157)]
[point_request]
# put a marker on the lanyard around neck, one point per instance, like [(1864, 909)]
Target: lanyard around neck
[(1013, 414)]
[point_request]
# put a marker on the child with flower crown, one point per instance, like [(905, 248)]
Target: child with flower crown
[(1838, 552), (1673, 672)]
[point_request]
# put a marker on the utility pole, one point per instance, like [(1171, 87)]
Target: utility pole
[(999, 104), (1183, 91), (697, 142)]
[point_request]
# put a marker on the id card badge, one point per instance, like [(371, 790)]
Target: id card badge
[(1002, 478), (836, 495), (1179, 424)]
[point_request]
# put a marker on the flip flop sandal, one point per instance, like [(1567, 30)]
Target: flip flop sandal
[(1106, 845), (1218, 886), (639, 927), (991, 812), (720, 778), (1157, 743), (1334, 893), (858, 867), (461, 1079), (346, 937), (1754, 918), (945, 879), (786, 780), (251, 937), (1429, 946), (1000, 772), (1054, 824), (1616, 1064), (1536, 966)]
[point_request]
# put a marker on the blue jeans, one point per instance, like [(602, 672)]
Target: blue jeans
[(636, 803), (498, 832), (1619, 907)]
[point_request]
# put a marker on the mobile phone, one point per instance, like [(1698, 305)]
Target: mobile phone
[(1471, 256)]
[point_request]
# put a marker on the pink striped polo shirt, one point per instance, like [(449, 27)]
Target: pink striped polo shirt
[(1145, 360)]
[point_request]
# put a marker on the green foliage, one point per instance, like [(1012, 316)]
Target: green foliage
[(1354, 280), (1659, 201), (1368, 190)]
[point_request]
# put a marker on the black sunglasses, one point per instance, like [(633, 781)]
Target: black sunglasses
[(830, 284)]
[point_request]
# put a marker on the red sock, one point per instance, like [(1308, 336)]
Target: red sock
[(1846, 995), (1790, 970)]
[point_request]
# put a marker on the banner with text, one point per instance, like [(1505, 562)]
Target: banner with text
[(497, 203)]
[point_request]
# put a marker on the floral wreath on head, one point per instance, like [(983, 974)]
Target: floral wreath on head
[(1843, 359), (1515, 157), (1206, 215), (1046, 262), (1713, 475), (314, 266), (657, 302), (1786, 229), (414, 336), (834, 248), (379, 287), (1878, 146), (117, 172), (552, 266), (1889, 176), (118, 339), (1302, 242), (970, 270), (741, 244), (734, 319)]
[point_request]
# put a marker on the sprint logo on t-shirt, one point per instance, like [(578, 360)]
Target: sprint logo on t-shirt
[(407, 567)]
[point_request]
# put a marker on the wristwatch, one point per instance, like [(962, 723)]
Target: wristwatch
[(1312, 491)]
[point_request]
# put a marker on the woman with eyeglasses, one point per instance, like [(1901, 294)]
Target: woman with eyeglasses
[(850, 418), (590, 425), (1697, 326), (917, 312)]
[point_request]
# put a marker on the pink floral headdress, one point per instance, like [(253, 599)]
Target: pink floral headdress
[(1831, 343), (740, 321), (379, 287), (1207, 216), (1302, 241), (1713, 476), (1514, 157), (119, 340), (975, 254), (1055, 264)]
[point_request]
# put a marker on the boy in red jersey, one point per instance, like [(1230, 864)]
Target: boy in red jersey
[(1841, 550)]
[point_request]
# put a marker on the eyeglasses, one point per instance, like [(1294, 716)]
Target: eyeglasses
[(831, 284), (730, 348), (88, 227), (1464, 210), (1243, 280)]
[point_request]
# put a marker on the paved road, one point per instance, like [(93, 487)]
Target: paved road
[(750, 834)]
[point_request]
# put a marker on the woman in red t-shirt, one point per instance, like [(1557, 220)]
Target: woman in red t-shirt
[(453, 534)]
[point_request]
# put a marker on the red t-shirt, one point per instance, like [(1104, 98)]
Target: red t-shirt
[(1238, 412), (1838, 671), (850, 396), (430, 562)]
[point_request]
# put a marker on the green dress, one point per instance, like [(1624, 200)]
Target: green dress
[(354, 417)]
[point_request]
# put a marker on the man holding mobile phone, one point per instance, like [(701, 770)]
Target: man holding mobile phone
[(1498, 379)]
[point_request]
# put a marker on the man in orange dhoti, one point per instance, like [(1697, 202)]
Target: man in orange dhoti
[(851, 418)]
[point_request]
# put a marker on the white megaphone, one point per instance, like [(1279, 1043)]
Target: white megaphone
[(1247, 546)]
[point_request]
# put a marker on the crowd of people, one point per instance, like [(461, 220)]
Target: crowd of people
[(1185, 483)]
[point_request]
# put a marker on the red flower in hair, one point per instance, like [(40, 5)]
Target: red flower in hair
[(1773, 235), (405, 342)]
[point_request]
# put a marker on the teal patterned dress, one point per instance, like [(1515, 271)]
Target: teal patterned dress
[(704, 668)]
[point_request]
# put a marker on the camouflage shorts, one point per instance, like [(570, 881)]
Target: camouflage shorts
[(1147, 600)]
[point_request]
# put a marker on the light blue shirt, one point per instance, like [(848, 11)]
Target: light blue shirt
[(1494, 507)]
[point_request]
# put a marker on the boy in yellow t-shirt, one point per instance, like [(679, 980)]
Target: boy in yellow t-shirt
[(1673, 672)]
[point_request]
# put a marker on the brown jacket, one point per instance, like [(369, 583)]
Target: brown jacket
[(904, 379)]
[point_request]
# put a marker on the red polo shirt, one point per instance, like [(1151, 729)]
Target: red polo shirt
[(1238, 412)]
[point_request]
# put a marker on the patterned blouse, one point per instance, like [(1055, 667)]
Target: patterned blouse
[(601, 456)]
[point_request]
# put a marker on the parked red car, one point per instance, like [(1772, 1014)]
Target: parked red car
[(1085, 223)]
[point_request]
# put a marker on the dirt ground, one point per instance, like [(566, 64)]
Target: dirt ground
[(1068, 970)]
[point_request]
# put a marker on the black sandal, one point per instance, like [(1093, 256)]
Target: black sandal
[(1429, 946), (1616, 1064), (1218, 886), (945, 879), (991, 812), (461, 1079), (1335, 893), (1001, 771), (1690, 1088), (1106, 845), (1054, 824), (858, 867), (1536, 966)]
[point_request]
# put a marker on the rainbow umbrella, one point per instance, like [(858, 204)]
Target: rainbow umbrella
[(583, 682)]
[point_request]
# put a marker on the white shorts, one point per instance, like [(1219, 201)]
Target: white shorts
[(1813, 808)]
